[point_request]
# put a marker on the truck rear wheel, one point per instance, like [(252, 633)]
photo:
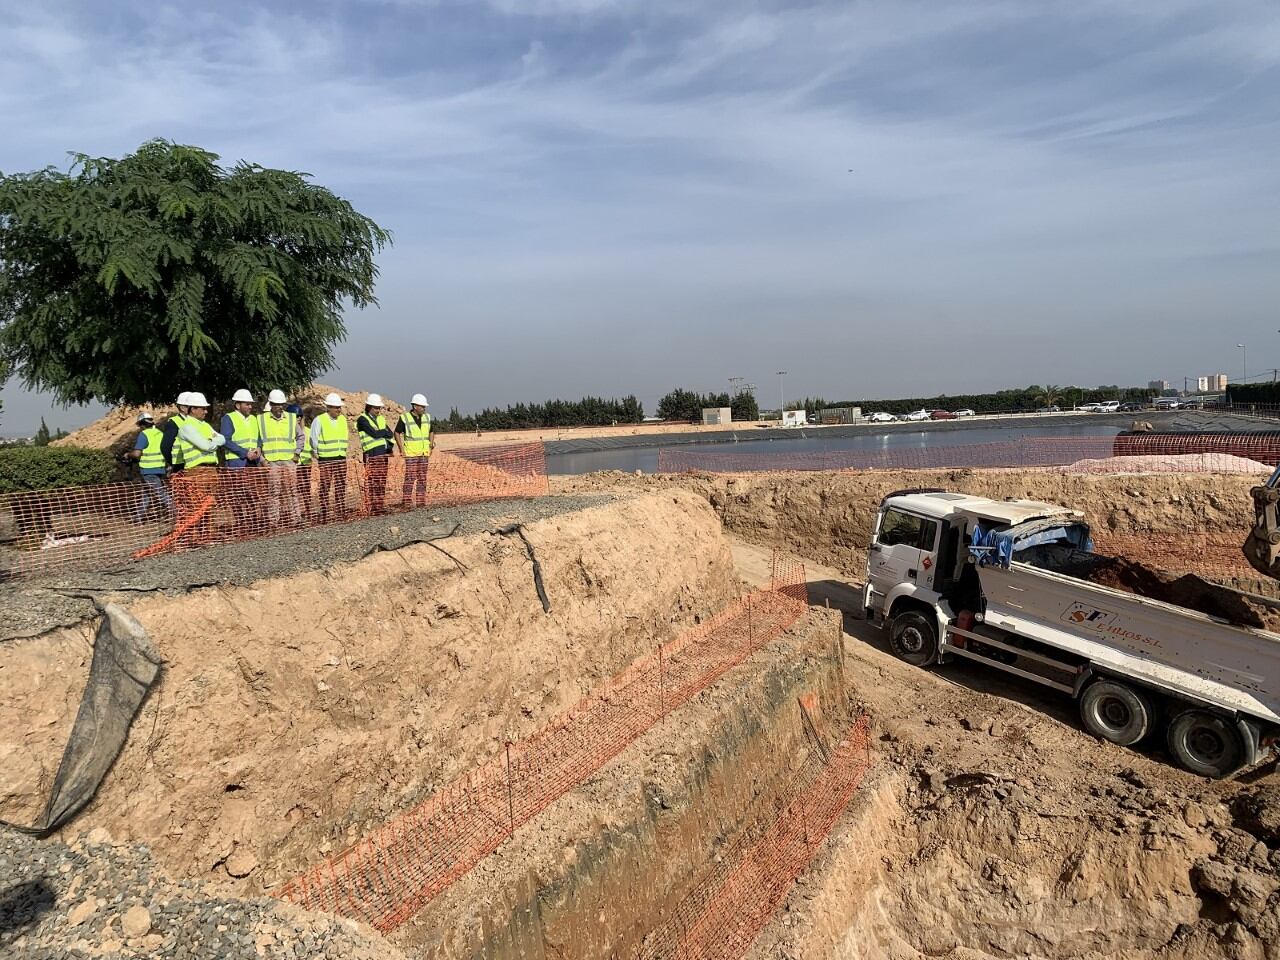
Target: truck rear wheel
[(1116, 712), (1206, 743), (914, 638)]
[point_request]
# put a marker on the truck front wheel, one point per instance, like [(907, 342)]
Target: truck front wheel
[(1206, 743), (1116, 712), (914, 638)]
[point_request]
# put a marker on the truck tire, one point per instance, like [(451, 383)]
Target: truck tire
[(1116, 712), (914, 638), (1206, 744)]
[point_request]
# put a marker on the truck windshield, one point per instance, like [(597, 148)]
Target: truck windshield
[(906, 529)]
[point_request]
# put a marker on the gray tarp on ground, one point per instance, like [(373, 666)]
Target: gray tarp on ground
[(125, 667)]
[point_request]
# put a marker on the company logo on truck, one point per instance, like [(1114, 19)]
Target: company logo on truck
[(1103, 621), (1081, 615)]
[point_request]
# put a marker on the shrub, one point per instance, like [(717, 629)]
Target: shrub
[(44, 468)]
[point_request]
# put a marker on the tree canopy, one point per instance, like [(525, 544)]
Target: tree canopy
[(682, 404), (587, 412), (126, 281)]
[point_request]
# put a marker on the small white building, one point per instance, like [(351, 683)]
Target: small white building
[(717, 416), (794, 418)]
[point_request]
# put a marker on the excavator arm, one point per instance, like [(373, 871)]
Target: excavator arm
[(1262, 548)]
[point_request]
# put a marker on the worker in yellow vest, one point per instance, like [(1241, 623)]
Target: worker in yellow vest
[(329, 439), (306, 491), (197, 445), (413, 436), (173, 454), (243, 449), (282, 441), (146, 450), (376, 444)]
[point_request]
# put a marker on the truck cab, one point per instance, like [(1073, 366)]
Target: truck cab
[(918, 558)]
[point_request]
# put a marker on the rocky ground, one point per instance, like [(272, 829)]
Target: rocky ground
[(94, 898)]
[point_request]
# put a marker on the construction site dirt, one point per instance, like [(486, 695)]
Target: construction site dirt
[(318, 690)]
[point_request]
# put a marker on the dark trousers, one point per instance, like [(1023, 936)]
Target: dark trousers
[(375, 484)]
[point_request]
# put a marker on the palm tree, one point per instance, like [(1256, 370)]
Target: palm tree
[(1049, 396)]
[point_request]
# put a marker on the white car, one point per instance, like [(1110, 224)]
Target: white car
[(1090, 407), (916, 415), (966, 412), (1109, 406), (881, 417), (1167, 403)]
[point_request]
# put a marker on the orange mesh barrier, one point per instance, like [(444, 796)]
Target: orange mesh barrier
[(1144, 453), (723, 915), (387, 877), (112, 523)]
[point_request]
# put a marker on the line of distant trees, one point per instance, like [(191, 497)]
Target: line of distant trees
[(587, 412), (1253, 393), (1034, 397), (687, 405)]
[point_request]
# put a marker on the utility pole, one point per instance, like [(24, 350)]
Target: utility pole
[(782, 403), (1244, 351)]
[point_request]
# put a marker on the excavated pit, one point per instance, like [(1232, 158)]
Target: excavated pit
[(298, 712)]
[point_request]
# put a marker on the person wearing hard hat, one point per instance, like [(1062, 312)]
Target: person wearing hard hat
[(329, 439), (146, 450), (282, 440), (376, 444), (242, 449), (169, 433), (413, 437), (196, 486)]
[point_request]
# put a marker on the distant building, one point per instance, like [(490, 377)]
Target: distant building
[(1159, 386), (717, 416), (1202, 384), (1218, 383)]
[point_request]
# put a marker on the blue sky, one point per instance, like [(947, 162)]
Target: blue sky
[(604, 196)]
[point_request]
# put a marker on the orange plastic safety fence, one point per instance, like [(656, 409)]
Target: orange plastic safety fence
[(1140, 452), (722, 916), (388, 876), (109, 524)]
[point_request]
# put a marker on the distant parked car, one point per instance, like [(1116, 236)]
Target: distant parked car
[(916, 415), (966, 412), (1130, 407), (813, 418), (941, 415), (1167, 403), (1109, 406), (881, 417), (1090, 407), (1052, 408)]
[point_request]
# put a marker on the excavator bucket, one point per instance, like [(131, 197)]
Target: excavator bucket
[(1262, 548)]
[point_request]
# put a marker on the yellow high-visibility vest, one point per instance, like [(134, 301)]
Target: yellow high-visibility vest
[(152, 458), (333, 437), (193, 456), (279, 437), (367, 442), (417, 437), (244, 432), (175, 452)]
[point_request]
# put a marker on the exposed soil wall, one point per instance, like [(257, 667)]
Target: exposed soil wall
[(294, 711), (828, 516)]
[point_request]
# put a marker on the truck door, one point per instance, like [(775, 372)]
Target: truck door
[(903, 550)]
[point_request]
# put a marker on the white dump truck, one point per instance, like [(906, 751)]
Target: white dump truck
[(998, 583)]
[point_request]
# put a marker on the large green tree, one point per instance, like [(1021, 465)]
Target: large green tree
[(126, 281)]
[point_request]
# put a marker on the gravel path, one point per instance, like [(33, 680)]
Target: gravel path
[(96, 899), (33, 606)]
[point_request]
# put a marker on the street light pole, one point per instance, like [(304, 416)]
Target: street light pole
[(1244, 368), (782, 403)]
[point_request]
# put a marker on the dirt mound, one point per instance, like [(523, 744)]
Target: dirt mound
[(1188, 590), (298, 710)]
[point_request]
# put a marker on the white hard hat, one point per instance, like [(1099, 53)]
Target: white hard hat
[(184, 398), (144, 416), (333, 400), (196, 400), (420, 400), (277, 396), (374, 400), (242, 396)]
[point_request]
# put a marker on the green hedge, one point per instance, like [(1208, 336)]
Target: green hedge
[(44, 468), (1253, 393)]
